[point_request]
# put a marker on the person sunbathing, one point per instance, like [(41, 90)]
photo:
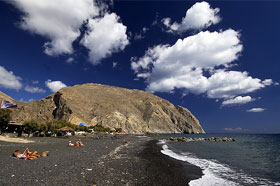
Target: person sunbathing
[(19, 155), (31, 155), (77, 144), (16, 153), (80, 143), (70, 144)]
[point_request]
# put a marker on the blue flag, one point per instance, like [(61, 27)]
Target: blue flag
[(7, 104)]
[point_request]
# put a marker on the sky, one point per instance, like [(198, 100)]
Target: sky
[(219, 59)]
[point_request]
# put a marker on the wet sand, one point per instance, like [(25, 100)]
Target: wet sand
[(128, 161)]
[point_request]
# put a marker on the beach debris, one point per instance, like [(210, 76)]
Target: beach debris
[(13, 175), (211, 139), (89, 169), (45, 153)]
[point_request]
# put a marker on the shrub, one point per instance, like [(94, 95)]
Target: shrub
[(5, 117), (100, 128), (54, 126), (118, 129), (31, 127), (81, 128)]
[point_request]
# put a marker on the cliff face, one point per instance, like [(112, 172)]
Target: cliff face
[(134, 111)]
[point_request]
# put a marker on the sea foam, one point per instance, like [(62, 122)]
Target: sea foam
[(214, 173)]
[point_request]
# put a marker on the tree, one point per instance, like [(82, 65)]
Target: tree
[(100, 128), (5, 117), (31, 126)]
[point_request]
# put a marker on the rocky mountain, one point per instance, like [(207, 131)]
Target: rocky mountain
[(134, 111), (5, 97)]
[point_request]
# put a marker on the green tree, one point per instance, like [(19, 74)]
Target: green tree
[(118, 129), (31, 127), (81, 128), (54, 126), (100, 128), (5, 117)]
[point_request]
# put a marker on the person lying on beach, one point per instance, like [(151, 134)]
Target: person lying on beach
[(80, 143), (31, 155), (26, 154), (19, 155), (70, 144), (77, 144)]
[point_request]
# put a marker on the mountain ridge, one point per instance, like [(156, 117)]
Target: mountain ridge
[(135, 111)]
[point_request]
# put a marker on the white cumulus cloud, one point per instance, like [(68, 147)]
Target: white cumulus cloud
[(225, 84), (267, 82), (59, 21), (183, 65), (105, 36), (203, 50), (256, 110), (54, 86), (199, 16), (34, 89), (9, 80), (238, 100)]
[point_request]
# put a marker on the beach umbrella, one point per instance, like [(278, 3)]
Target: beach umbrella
[(82, 124)]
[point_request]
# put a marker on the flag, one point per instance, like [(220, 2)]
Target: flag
[(7, 104)]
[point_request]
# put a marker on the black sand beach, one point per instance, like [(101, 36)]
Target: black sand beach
[(129, 161)]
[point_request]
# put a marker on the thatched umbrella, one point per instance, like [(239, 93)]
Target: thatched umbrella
[(66, 129)]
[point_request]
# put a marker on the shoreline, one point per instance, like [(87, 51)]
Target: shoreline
[(132, 160), (170, 171)]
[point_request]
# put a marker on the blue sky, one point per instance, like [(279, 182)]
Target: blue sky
[(220, 59)]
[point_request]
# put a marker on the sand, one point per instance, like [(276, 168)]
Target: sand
[(128, 161), (14, 140)]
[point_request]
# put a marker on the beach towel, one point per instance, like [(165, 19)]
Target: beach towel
[(21, 156)]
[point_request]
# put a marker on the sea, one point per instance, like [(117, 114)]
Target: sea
[(253, 159)]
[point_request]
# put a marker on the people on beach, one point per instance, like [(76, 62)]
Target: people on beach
[(26, 155), (70, 144), (78, 143), (18, 154), (31, 155)]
